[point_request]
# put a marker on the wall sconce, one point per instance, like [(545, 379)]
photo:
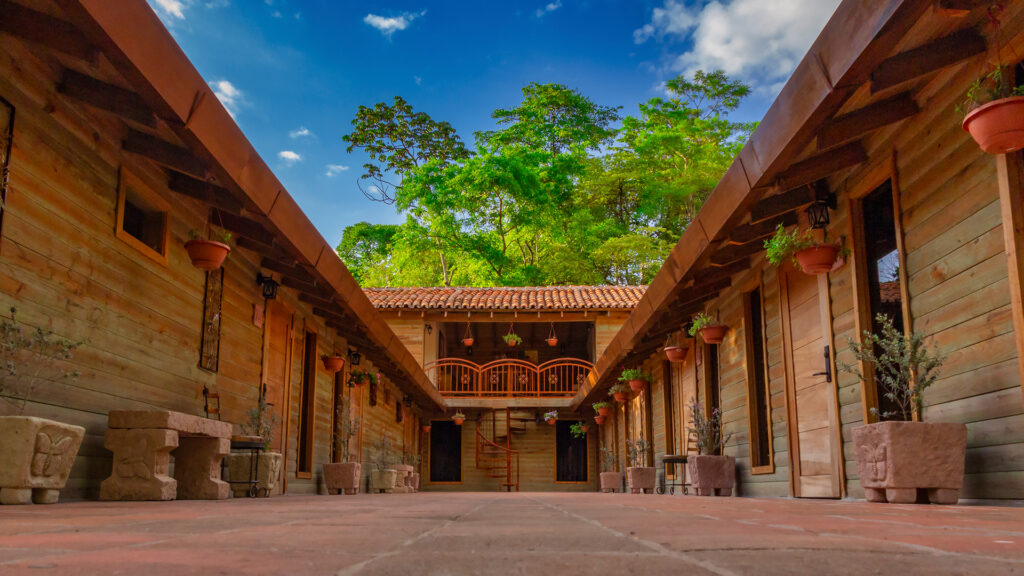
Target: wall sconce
[(354, 356), (817, 213), (430, 328), (268, 284)]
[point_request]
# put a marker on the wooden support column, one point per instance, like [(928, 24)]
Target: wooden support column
[(1010, 170)]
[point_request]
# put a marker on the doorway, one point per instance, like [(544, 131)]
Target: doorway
[(570, 454), (445, 452)]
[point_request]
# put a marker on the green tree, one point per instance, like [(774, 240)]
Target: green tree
[(366, 249)]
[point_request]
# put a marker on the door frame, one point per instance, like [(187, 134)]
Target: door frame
[(268, 307)]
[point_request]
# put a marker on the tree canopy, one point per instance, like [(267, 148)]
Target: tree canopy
[(564, 191)]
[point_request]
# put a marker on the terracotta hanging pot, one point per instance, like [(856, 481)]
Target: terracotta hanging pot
[(620, 397), (458, 421), (600, 418), (467, 342), (675, 353), (637, 385), (426, 428), (817, 259), (552, 342), (551, 421), (714, 334), (207, 254), (605, 411), (333, 363), (998, 127)]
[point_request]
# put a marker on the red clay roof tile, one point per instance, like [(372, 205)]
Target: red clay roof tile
[(507, 298)]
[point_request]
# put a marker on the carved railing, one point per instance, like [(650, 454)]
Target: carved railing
[(559, 378)]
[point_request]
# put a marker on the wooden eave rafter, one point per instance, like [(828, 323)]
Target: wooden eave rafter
[(164, 153), (39, 28), (779, 204), (98, 94), (206, 192), (860, 122), (927, 59)]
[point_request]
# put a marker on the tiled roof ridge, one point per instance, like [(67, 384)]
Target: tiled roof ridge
[(561, 297)]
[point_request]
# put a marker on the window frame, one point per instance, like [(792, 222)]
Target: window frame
[(751, 367), (125, 179), (307, 403)]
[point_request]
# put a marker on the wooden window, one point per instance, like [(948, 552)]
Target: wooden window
[(307, 408), (712, 394), (758, 395), (670, 419), (445, 452), (142, 217), (6, 143), (571, 463), (209, 347)]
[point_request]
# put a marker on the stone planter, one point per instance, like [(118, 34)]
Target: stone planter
[(413, 481), (641, 478), (267, 476), (611, 481), (712, 475), (36, 455), (896, 459), (383, 480), (343, 477), (402, 473)]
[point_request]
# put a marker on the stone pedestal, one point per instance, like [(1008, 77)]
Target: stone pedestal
[(35, 458), (896, 459), (712, 475), (142, 461), (414, 481), (641, 479), (342, 477), (268, 473), (402, 473)]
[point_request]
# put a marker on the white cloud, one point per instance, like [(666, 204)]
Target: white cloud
[(551, 7), (334, 169), (289, 157), (417, 80), (231, 97), (301, 132), (388, 25), (174, 8), (760, 41)]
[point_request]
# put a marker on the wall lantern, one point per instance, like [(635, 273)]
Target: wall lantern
[(817, 212), (430, 328), (354, 357), (268, 284)]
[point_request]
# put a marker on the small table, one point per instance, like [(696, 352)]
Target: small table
[(671, 460), (255, 446)]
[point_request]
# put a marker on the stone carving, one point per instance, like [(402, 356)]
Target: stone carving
[(52, 449), (36, 456), (267, 475)]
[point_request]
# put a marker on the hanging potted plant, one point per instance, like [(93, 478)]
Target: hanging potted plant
[(640, 476), (993, 106), (578, 429), (710, 472), (709, 329), (207, 254), (458, 418), (359, 377), (467, 338), (813, 257), (636, 378), (551, 417), (675, 354), (512, 339), (344, 477), (897, 457), (599, 419), (611, 480), (426, 428), (603, 408), (552, 338), (620, 392), (332, 362)]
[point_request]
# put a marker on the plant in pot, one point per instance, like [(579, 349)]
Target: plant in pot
[(260, 422), (611, 479), (551, 417), (636, 378), (343, 476), (603, 408), (467, 338), (426, 428), (993, 111), (620, 392), (332, 362), (552, 338), (711, 473), (578, 430), (512, 339), (674, 353), (208, 254), (383, 478), (810, 254), (711, 330), (640, 476), (359, 377), (458, 418), (36, 454), (898, 458)]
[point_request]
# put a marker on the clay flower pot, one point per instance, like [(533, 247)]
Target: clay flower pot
[(458, 421), (896, 459), (712, 475), (611, 481), (36, 455), (343, 477), (998, 127), (207, 254), (714, 334), (552, 342), (637, 385), (551, 421), (426, 428), (675, 354), (605, 411), (620, 397), (817, 259), (383, 480), (268, 472), (467, 342), (600, 418), (334, 363), (641, 478)]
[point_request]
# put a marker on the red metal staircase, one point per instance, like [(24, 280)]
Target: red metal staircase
[(495, 455)]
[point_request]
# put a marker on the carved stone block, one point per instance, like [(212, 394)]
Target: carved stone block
[(141, 465), (36, 456)]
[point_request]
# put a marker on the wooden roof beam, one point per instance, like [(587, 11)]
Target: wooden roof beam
[(731, 253), (778, 204), (241, 225), (289, 268), (39, 28), (958, 8), (855, 124), (163, 153), (203, 191), (268, 250), (822, 166), (761, 230), (107, 97), (928, 58)]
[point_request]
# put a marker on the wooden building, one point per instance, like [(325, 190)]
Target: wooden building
[(113, 148), (934, 229)]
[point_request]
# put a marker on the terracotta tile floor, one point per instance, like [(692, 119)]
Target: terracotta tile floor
[(526, 533)]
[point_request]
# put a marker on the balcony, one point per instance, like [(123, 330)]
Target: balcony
[(510, 382)]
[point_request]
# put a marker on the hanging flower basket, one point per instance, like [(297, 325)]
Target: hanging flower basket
[(467, 342), (817, 259), (552, 342), (620, 392), (600, 418), (714, 334), (426, 428), (675, 353), (998, 127), (458, 418), (603, 408), (551, 417), (207, 254), (512, 339), (333, 363)]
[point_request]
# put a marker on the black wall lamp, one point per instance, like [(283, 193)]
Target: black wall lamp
[(354, 356), (268, 284), (817, 212)]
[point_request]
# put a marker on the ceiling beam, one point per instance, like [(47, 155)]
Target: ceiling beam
[(928, 58), (203, 191), (958, 8), (855, 124), (267, 250), (771, 206), (760, 230), (241, 225), (39, 28), (732, 252), (108, 97), (163, 153), (821, 166)]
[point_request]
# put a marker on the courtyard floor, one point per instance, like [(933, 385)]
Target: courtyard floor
[(524, 533)]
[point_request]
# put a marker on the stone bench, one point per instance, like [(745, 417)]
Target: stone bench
[(142, 442)]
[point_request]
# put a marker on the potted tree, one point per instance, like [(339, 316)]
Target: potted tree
[(344, 476), (208, 254), (636, 378), (994, 112), (578, 429), (620, 392), (710, 472), (603, 408), (36, 454), (260, 422), (332, 362), (383, 478), (709, 329), (897, 458), (812, 255), (640, 476), (458, 418), (551, 417), (611, 479)]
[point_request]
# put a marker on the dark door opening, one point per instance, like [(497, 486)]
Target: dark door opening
[(445, 451), (883, 270), (570, 454)]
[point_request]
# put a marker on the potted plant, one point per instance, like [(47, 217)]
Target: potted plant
[(603, 408), (599, 419), (359, 377), (709, 329), (344, 477), (994, 112), (383, 478), (512, 339), (332, 362), (552, 338), (710, 472), (467, 339), (620, 392), (458, 418), (611, 479), (675, 354), (551, 417), (207, 254), (36, 454), (578, 429), (260, 422), (426, 428), (636, 378), (640, 476), (898, 457), (813, 256)]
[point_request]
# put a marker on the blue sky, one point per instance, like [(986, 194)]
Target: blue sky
[(293, 72)]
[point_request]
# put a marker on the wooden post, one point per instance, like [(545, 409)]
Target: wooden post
[(1010, 171)]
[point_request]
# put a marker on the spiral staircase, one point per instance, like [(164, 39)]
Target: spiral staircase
[(494, 453)]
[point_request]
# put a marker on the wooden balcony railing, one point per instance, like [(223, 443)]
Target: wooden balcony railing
[(559, 378)]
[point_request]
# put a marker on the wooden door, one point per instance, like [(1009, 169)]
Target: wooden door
[(276, 369), (810, 396)]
